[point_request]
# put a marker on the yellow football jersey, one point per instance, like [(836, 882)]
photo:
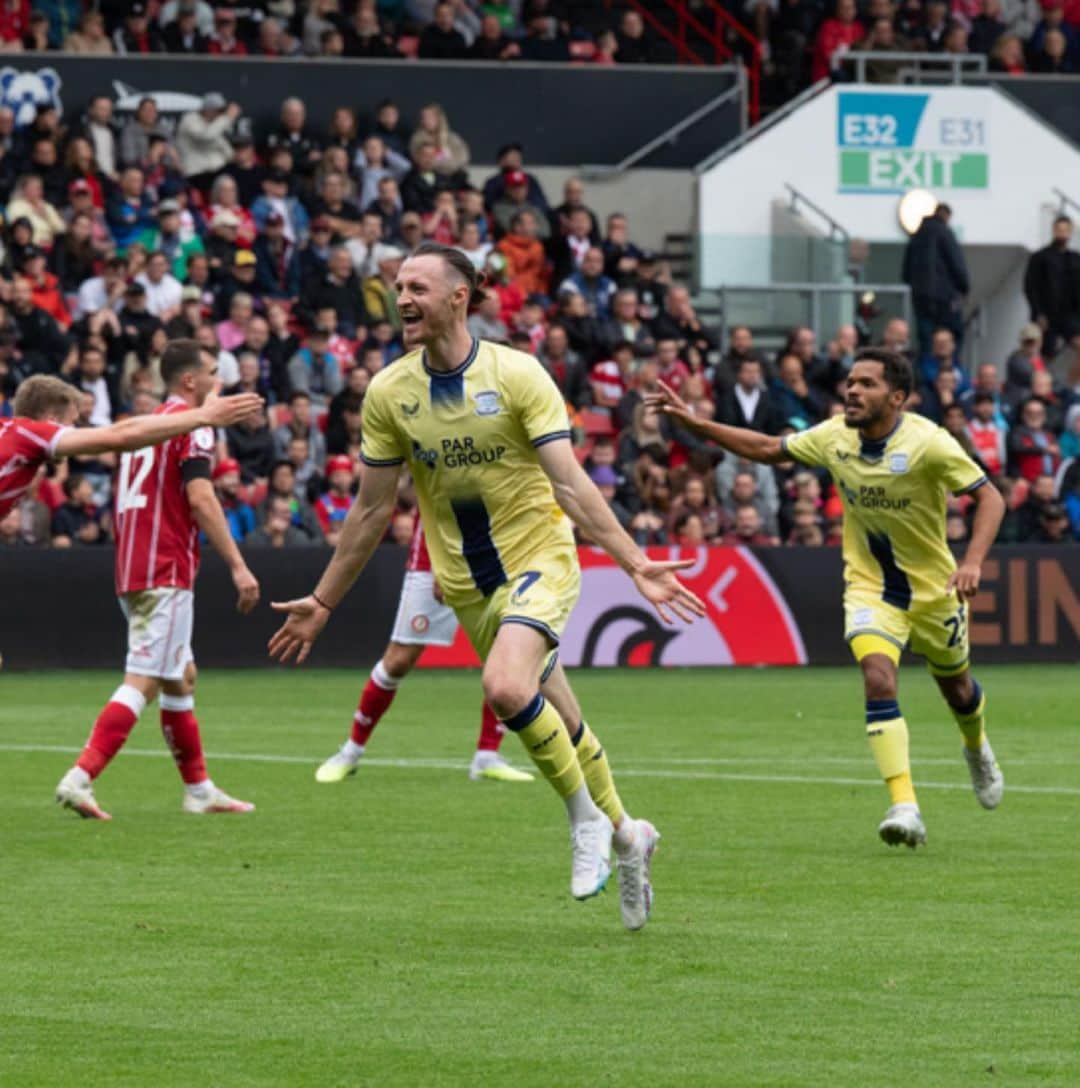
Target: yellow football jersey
[(470, 438), (894, 492)]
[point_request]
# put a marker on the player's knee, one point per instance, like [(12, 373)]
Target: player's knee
[(879, 677), (399, 659), (507, 694), (190, 675)]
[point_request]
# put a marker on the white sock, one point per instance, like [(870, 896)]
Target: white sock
[(484, 757), (351, 750), (78, 777), (580, 807), (625, 835), (383, 678), (200, 790)]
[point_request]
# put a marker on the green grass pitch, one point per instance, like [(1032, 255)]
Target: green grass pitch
[(412, 928)]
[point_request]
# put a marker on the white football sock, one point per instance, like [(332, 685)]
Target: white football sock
[(580, 807), (351, 750), (78, 777), (199, 790), (625, 835)]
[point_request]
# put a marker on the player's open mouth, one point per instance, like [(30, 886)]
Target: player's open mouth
[(410, 320)]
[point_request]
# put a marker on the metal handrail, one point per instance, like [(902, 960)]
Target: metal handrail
[(1065, 201), (837, 233), (815, 291), (920, 64), (774, 118), (598, 172)]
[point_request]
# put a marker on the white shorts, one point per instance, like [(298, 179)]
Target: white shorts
[(159, 632), (421, 619)]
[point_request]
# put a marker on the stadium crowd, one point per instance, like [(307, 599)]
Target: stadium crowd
[(799, 41), (282, 258)]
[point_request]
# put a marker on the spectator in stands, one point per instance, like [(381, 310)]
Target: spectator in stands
[(635, 46), (621, 256), (941, 394), (245, 169), (130, 209), (364, 244), (1033, 450), (1007, 55), (28, 202), (1052, 288), (942, 355), (202, 140), (986, 27), (276, 529), (225, 42), (136, 132), (332, 507), (136, 34), (515, 198), (300, 423), (440, 40), (574, 202), (104, 290), (679, 321), (835, 36), (162, 289), (339, 290), (78, 522), (97, 127), (44, 163), (625, 325), (492, 43), (380, 290), (1024, 363), (276, 198), (543, 40), (569, 247), (42, 346), (795, 403), (74, 257), (282, 485), (91, 379), (314, 370), (1043, 387), (1054, 526), (935, 270), (740, 485), (747, 530), (740, 347), (137, 324), (524, 253), (484, 322), (251, 444), (695, 500), (566, 367), (277, 261), (238, 514), (988, 434), (188, 31), (746, 404), (451, 151), (511, 159), (90, 39), (896, 336), (423, 182), (1070, 438), (590, 282), (46, 292), (168, 239)]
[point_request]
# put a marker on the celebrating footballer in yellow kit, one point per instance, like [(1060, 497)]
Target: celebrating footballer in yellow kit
[(485, 434), (893, 470)]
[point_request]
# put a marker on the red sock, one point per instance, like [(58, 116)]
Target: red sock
[(114, 723), (375, 701), (181, 730), (492, 731)]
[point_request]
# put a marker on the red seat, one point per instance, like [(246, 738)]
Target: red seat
[(279, 415), (596, 424), (409, 46), (321, 421), (582, 50)]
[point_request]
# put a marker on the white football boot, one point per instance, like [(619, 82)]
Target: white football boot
[(986, 776), (635, 885), (903, 826), (215, 800), (590, 842), (79, 797)]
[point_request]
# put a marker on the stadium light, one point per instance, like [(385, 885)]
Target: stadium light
[(914, 206)]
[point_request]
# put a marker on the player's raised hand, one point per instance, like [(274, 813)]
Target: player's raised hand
[(666, 400), (656, 582), (965, 580), (225, 411), (296, 635), (247, 590)]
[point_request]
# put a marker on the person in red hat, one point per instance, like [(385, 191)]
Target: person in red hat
[(332, 507), (238, 514), (515, 200)]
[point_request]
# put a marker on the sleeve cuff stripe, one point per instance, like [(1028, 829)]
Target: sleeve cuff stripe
[(553, 437), (375, 462), (972, 487)]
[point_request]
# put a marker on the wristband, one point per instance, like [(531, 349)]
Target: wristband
[(319, 601)]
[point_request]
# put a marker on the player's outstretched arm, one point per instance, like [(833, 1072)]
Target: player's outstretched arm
[(741, 441), (989, 510), (360, 535), (134, 434), (585, 506), (210, 518)]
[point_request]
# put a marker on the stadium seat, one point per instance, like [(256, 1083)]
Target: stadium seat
[(321, 420), (596, 424), (582, 51), (279, 415)]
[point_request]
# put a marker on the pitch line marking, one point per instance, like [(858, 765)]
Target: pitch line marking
[(625, 772)]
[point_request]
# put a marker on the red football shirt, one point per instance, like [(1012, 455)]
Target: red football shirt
[(25, 445), (418, 553), (157, 540)]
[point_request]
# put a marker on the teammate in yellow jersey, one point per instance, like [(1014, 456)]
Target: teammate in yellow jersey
[(902, 585), (485, 434)]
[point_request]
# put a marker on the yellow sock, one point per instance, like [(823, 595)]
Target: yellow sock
[(594, 765), (888, 735), (546, 740), (972, 719)]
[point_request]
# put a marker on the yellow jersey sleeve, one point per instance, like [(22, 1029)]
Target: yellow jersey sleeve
[(381, 443), (809, 447), (947, 461), (540, 406)]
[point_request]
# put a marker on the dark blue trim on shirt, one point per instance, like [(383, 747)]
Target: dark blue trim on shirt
[(544, 439), (458, 370), (477, 547), (897, 589), (873, 449), (375, 462), (972, 487)]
